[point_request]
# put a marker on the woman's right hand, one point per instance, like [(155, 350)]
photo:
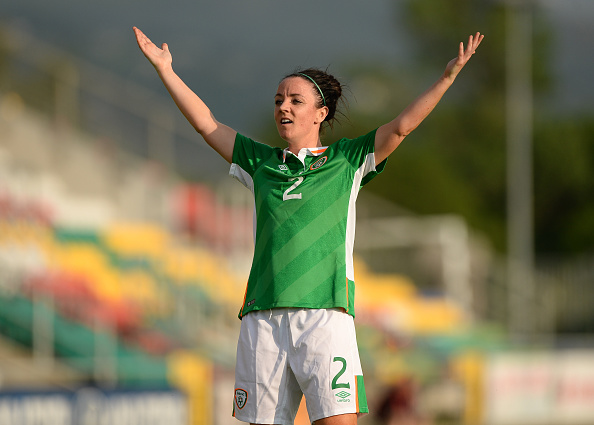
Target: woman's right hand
[(219, 136), (160, 58)]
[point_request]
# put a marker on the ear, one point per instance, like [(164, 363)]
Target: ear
[(321, 114)]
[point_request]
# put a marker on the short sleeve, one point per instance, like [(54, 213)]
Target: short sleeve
[(248, 155), (360, 153)]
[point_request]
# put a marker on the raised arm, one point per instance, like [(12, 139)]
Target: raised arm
[(219, 136), (390, 135)]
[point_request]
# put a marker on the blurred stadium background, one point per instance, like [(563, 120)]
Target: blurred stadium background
[(124, 249)]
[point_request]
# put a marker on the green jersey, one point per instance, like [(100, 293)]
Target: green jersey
[(304, 221)]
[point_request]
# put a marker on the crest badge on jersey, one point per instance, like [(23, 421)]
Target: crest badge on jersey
[(318, 163), (241, 397)]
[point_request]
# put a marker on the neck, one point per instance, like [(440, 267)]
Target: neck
[(296, 145)]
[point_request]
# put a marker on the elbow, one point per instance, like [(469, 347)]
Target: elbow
[(402, 131), (405, 128), (207, 126), (400, 128)]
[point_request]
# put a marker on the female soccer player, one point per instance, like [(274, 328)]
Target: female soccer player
[(297, 333)]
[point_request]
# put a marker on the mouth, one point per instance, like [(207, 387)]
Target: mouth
[(284, 121)]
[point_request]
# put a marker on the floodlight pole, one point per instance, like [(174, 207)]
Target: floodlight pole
[(520, 232)]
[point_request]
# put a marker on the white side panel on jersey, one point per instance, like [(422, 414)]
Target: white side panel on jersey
[(240, 174), (367, 167), (245, 179)]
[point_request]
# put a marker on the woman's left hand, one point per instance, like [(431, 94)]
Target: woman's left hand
[(464, 55)]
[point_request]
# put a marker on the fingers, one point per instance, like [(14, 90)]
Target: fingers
[(141, 38), (473, 43), (476, 40), (470, 45), (139, 34), (480, 39)]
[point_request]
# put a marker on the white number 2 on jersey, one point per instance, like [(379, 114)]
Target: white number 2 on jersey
[(287, 195)]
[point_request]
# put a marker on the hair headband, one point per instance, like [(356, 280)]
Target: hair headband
[(315, 84)]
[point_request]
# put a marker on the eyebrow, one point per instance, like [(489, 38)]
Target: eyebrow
[(290, 95)]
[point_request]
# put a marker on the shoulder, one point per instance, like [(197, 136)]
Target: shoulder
[(358, 148), (363, 140), (250, 155), (245, 146)]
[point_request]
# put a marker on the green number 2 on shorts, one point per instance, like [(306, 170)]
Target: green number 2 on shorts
[(335, 383)]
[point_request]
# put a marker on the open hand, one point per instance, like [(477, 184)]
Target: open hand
[(158, 57), (464, 55)]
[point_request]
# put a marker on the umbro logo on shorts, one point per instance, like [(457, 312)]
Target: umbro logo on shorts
[(342, 397), (241, 397)]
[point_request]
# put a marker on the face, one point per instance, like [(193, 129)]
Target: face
[(296, 111)]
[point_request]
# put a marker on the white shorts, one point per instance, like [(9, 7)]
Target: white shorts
[(285, 353)]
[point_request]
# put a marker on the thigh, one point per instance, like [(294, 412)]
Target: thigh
[(346, 419), (266, 390), (325, 361)]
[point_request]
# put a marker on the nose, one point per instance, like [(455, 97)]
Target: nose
[(284, 105)]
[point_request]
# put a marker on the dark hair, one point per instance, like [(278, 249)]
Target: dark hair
[(330, 87)]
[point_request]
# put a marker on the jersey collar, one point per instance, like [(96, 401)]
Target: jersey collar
[(317, 151)]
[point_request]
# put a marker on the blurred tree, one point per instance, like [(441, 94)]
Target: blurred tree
[(4, 62), (35, 83), (455, 161), (467, 132), (564, 184)]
